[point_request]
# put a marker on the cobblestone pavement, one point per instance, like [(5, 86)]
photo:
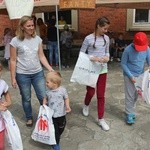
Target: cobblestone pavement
[(83, 133)]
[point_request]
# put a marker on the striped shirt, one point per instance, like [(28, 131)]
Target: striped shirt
[(101, 48)]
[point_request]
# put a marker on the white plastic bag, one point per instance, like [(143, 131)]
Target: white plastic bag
[(12, 132), (44, 131), (86, 72), (143, 86)]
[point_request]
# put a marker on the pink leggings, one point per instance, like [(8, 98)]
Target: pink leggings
[(100, 91), (2, 139)]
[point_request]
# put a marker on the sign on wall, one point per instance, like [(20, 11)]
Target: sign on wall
[(85, 4)]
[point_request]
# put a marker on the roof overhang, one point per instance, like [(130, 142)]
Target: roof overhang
[(49, 5)]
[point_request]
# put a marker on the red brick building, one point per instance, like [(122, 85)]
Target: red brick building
[(86, 21)]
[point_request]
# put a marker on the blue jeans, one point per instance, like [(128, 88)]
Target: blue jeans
[(53, 48), (24, 82)]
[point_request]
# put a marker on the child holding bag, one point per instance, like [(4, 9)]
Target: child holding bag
[(133, 61), (58, 100), (96, 45), (4, 103)]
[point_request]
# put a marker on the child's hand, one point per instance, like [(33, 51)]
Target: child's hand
[(2, 107), (133, 79), (68, 109), (6, 104), (94, 58), (105, 59), (44, 101)]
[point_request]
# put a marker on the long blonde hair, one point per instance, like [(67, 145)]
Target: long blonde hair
[(20, 32)]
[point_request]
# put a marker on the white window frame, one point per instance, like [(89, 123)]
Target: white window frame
[(132, 25)]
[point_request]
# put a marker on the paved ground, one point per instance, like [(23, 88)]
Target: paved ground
[(83, 133)]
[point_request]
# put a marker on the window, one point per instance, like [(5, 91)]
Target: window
[(66, 14), (71, 17), (138, 20), (142, 15)]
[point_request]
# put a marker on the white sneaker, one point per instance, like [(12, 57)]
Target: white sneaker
[(111, 59), (85, 110), (103, 124), (63, 66), (118, 59)]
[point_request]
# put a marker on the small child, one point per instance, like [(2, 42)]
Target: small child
[(4, 103), (58, 100), (7, 39)]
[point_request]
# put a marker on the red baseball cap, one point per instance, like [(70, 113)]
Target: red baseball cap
[(140, 41)]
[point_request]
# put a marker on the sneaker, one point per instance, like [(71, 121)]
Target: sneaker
[(103, 124), (63, 66), (85, 110), (111, 59), (118, 59), (130, 119), (56, 147), (134, 116)]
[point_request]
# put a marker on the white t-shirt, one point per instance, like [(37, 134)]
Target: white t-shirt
[(27, 55), (3, 89), (56, 101)]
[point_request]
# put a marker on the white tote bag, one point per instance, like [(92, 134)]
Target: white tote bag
[(44, 131), (12, 132), (143, 86), (86, 72)]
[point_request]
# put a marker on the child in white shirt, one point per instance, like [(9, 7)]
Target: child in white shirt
[(4, 103)]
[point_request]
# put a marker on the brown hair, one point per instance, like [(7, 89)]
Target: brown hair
[(101, 22), (20, 32), (54, 77)]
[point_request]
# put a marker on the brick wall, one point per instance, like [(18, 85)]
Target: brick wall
[(6, 23), (87, 19)]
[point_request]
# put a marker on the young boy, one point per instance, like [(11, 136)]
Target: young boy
[(133, 63), (58, 100), (4, 103)]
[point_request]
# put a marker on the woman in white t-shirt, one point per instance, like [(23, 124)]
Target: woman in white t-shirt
[(4, 103), (26, 57)]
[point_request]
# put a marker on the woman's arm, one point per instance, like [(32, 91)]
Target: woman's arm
[(13, 59), (43, 59)]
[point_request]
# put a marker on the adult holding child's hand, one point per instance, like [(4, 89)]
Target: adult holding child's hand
[(26, 57)]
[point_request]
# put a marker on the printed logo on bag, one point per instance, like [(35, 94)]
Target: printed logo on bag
[(13, 121), (43, 124), (89, 71), (139, 90)]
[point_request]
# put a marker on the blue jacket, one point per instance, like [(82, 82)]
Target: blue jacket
[(133, 62)]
